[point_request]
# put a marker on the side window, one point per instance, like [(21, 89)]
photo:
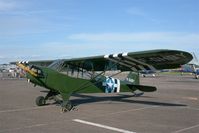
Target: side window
[(37, 71), (34, 70)]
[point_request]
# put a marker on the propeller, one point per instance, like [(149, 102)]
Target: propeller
[(26, 68)]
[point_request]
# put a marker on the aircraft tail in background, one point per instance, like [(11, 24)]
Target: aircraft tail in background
[(195, 65)]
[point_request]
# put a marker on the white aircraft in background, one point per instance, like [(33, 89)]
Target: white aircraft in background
[(192, 66)]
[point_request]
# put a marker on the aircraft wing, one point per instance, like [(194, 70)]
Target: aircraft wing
[(132, 61)]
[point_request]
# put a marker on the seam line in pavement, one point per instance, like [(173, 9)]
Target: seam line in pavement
[(185, 129)]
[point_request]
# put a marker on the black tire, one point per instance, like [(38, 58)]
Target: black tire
[(67, 107), (40, 101)]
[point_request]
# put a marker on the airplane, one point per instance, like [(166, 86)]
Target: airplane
[(146, 73), (192, 66), (64, 77), (195, 66), (195, 70)]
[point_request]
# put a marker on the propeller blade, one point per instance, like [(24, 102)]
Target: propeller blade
[(26, 69)]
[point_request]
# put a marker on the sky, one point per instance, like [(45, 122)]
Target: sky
[(54, 29)]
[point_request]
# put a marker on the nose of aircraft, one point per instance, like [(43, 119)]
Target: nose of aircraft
[(31, 75), (30, 78)]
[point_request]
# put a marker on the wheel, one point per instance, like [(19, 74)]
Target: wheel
[(66, 107), (40, 101), (138, 94), (69, 106)]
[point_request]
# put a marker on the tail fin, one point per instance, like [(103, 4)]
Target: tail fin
[(144, 88), (134, 78)]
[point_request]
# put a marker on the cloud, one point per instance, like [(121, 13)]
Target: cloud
[(74, 49), (2, 57), (167, 37), (142, 40), (122, 37), (52, 50), (136, 12), (15, 26), (19, 18), (6, 5), (87, 44)]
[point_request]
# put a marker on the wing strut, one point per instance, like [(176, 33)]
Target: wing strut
[(138, 62), (129, 62), (85, 85)]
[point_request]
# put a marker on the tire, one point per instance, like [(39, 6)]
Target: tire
[(40, 101)]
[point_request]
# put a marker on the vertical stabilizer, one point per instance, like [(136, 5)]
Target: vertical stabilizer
[(134, 78)]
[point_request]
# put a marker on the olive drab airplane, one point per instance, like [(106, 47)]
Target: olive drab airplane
[(58, 75)]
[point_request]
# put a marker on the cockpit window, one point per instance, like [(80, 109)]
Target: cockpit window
[(36, 70), (57, 65), (39, 71)]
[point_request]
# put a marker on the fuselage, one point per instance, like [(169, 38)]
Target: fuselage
[(56, 81)]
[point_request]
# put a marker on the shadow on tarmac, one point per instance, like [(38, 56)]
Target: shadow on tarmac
[(120, 98)]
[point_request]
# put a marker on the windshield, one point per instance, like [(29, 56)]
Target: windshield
[(36, 70), (57, 65)]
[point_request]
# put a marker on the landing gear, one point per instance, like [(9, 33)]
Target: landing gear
[(65, 103), (40, 101), (138, 94), (66, 106)]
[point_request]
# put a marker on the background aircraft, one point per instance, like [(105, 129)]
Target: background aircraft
[(192, 66), (146, 73), (87, 75)]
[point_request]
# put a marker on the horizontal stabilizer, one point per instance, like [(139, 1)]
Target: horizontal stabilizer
[(144, 88)]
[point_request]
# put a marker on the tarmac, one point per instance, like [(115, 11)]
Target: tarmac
[(173, 108)]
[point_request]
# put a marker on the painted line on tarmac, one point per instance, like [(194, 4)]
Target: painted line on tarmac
[(185, 129), (24, 109), (102, 126), (191, 98)]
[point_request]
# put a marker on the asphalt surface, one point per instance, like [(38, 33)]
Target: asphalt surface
[(174, 108)]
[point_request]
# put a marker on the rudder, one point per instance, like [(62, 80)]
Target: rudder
[(134, 78)]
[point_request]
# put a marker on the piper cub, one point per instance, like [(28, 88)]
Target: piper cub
[(65, 77)]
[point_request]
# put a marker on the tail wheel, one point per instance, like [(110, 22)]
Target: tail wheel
[(66, 107), (40, 101)]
